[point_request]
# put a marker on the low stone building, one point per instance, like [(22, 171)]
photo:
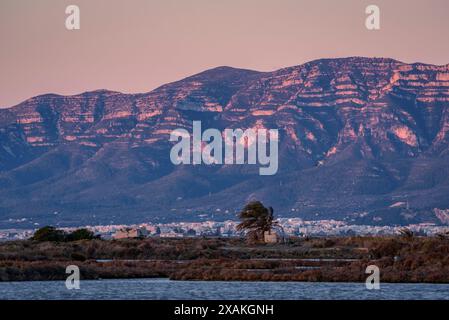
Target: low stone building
[(129, 233), (271, 236)]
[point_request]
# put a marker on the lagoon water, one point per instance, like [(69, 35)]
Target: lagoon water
[(132, 289)]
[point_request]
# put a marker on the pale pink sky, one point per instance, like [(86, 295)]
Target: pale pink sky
[(137, 45)]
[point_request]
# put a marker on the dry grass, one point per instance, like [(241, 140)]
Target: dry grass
[(400, 259)]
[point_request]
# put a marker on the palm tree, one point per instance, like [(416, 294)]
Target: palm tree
[(407, 233), (256, 219)]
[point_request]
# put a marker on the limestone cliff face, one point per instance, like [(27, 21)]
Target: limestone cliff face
[(383, 124)]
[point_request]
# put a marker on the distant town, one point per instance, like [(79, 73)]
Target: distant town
[(290, 227)]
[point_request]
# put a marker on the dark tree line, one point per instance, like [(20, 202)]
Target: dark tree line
[(49, 233)]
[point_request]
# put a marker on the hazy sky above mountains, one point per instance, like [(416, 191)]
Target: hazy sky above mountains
[(137, 45)]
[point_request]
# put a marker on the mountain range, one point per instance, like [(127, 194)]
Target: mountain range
[(365, 140)]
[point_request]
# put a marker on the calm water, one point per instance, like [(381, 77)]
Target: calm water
[(165, 289)]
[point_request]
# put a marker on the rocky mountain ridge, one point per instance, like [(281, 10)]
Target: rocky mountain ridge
[(359, 139)]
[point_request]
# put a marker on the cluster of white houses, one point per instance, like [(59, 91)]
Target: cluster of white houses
[(291, 226)]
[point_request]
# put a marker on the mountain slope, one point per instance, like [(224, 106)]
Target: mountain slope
[(361, 139)]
